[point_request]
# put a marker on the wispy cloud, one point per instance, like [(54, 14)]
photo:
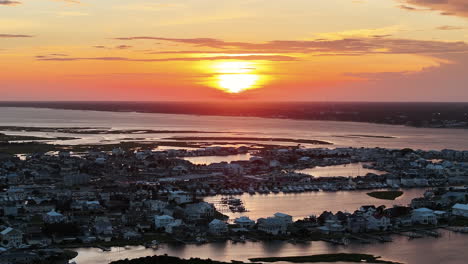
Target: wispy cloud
[(249, 57), (350, 46), (446, 7), (14, 36), (450, 28), (9, 3)]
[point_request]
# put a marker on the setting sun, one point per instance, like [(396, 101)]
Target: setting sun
[(236, 76), (236, 83)]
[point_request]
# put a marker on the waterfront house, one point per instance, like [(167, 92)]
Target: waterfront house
[(460, 210), (244, 222), (285, 218), (378, 222), (331, 226), (271, 225), (423, 216), (356, 223), (217, 227), (11, 238), (202, 211)]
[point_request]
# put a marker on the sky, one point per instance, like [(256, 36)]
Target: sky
[(203, 50)]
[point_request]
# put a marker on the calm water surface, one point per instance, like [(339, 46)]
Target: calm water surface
[(346, 170), (339, 133), (301, 205), (448, 249), (216, 159)]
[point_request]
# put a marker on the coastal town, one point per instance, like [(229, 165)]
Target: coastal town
[(56, 201)]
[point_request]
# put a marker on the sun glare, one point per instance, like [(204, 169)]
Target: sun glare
[(236, 83), (236, 76)]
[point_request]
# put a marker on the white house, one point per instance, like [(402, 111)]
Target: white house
[(378, 222), (460, 210), (180, 197), (162, 220), (272, 225), (423, 216), (244, 222), (278, 224), (53, 217), (167, 222), (11, 238), (287, 219), (217, 227)]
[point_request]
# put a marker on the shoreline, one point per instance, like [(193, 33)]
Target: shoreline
[(2, 104)]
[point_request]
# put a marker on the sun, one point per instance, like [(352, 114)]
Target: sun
[(236, 83), (236, 76)]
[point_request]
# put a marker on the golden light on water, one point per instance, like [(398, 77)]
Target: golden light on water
[(236, 76)]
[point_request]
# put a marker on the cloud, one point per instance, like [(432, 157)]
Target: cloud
[(248, 57), (117, 47), (347, 46), (14, 36), (9, 3), (13, 3), (450, 28), (446, 7)]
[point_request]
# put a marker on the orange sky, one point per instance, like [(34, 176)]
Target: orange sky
[(182, 50)]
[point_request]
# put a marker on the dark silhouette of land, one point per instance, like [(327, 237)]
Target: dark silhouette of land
[(437, 115)]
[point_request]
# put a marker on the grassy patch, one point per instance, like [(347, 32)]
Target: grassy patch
[(386, 195), (345, 257)]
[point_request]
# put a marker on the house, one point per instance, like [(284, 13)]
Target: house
[(356, 223), (244, 222), (217, 227), (287, 219), (11, 238), (378, 222), (271, 225), (168, 223), (460, 210), (19, 257), (53, 217), (199, 212), (423, 216), (103, 226), (180, 197)]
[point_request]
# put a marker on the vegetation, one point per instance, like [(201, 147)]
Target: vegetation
[(340, 257), (8, 138), (386, 195), (171, 260), (300, 141)]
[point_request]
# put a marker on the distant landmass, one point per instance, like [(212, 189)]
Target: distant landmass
[(436, 115)]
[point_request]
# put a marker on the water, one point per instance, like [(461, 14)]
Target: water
[(206, 160), (335, 132), (310, 203), (448, 250), (346, 170)]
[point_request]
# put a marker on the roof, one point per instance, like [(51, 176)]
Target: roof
[(282, 215), (244, 219), (422, 210), (6, 231), (162, 217), (460, 206), (216, 222), (53, 213)]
